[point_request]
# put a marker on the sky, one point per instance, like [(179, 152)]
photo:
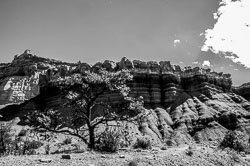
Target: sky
[(215, 33)]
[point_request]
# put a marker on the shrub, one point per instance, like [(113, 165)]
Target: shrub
[(143, 142), (236, 140), (134, 162), (169, 142), (34, 144), (190, 150), (22, 133), (25, 147), (17, 145), (109, 140), (67, 141), (5, 137), (127, 137)]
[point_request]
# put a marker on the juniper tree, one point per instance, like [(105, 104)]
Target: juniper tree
[(83, 92)]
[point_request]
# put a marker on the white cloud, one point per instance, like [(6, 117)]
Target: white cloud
[(206, 63), (231, 33), (176, 41)]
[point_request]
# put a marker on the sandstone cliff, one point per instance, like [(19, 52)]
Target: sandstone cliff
[(184, 104), (21, 79)]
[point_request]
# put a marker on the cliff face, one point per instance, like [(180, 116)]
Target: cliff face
[(243, 90), (21, 79), (185, 104)]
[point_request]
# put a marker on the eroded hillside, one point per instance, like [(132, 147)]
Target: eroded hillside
[(184, 104)]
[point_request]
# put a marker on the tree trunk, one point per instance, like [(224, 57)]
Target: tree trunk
[(91, 138)]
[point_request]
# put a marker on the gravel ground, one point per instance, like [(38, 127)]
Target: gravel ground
[(175, 156)]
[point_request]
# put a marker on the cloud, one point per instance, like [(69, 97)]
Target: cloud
[(206, 63), (176, 41), (231, 32)]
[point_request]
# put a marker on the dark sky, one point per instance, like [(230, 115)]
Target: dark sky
[(96, 30)]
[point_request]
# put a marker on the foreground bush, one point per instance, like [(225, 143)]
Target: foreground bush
[(17, 145), (67, 141), (135, 162), (22, 133), (236, 140), (5, 137), (24, 147), (143, 142), (191, 149), (109, 140)]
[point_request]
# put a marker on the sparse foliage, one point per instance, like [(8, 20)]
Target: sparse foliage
[(5, 137), (26, 147), (190, 150), (109, 140), (143, 142), (83, 92), (236, 140), (17, 145), (126, 138), (67, 141), (22, 133), (134, 162)]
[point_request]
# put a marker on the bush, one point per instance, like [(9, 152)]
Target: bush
[(143, 142), (108, 141), (127, 137), (34, 144), (190, 150), (67, 141), (5, 137), (134, 162), (25, 147), (22, 133), (17, 145), (236, 140)]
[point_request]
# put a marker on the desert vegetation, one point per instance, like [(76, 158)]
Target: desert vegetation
[(82, 95), (16, 144), (237, 141)]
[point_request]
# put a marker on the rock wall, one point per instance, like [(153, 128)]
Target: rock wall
[(21, 79), (17, 89), (243, 90), (190, 104)]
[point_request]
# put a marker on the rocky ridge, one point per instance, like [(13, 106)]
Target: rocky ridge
[(243, 90), (190, 104)]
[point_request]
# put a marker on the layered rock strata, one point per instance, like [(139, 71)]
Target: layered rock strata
[(190, 104)]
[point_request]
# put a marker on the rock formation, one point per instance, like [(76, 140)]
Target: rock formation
[(190, 104), (243, 90), (21, 79)]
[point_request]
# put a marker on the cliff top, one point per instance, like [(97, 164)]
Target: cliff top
[(23, 62)]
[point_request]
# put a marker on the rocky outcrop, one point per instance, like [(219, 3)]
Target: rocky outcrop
[(190, 104), (21, 79), (243, 90), (16, 89)]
